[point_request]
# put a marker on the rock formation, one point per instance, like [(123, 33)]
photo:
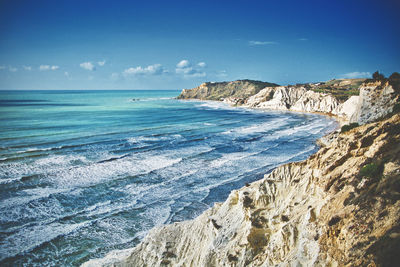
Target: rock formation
[(295, 99), (375, 99), (240, 89)]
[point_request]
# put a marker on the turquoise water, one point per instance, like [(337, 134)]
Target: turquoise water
[(86, 172)]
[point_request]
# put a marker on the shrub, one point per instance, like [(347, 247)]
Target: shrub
[(378, 76), (372, 170), (348, 127), (394, 80)]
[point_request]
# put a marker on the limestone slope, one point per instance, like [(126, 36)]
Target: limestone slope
[(240, 89), (340, 207)]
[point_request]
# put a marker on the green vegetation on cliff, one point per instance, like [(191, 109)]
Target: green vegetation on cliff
[(342, 89)]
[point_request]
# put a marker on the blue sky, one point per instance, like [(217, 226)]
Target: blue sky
[(180, 44)]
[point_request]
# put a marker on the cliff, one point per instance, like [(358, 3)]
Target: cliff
[(341, 207), (377, 98), (374, 99), (240, 89)]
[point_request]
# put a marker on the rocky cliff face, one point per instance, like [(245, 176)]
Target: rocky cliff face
[(341, 207), (376, 98), (296, 99), (240, 89)]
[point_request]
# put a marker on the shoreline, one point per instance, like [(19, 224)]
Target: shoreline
[(340, 119), (118, 254), (308, 212)]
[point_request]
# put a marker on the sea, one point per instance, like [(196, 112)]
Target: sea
[(86, 172)]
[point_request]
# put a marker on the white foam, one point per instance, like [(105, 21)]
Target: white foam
[(98, 172), (306, 129), (33, 149), (229, 158), (153, 99), (147, 139), (9, 180), (109, 207), (28, 238), (47, 165), (28, 195), (213, 105), (189, 151), (59, 160), (258, 128), (140, 139)]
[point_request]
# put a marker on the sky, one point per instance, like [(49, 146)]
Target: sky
[(82, 44)]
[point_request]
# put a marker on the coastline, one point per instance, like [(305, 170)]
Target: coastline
[(116, 255), (297, 214), (340, 120)]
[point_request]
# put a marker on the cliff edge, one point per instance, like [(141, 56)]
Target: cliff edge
[(350, 100), (240, 89)]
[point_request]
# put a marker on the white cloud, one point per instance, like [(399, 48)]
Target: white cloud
[(188, 70), (48, 67), (87, 66), (183, 64), (44, 67), (184, 67), (66, 74), (303, 39), (155, 69), (12, 69), (253, 43), (356, 74), (29, 68), (202, 64), (101, 63)]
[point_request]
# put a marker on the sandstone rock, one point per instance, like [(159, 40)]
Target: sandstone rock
[(264, 95), (311, 101), (375, 101), (221, 90), (348, 108)]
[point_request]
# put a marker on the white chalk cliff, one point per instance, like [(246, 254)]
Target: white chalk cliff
[(376, 100)]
